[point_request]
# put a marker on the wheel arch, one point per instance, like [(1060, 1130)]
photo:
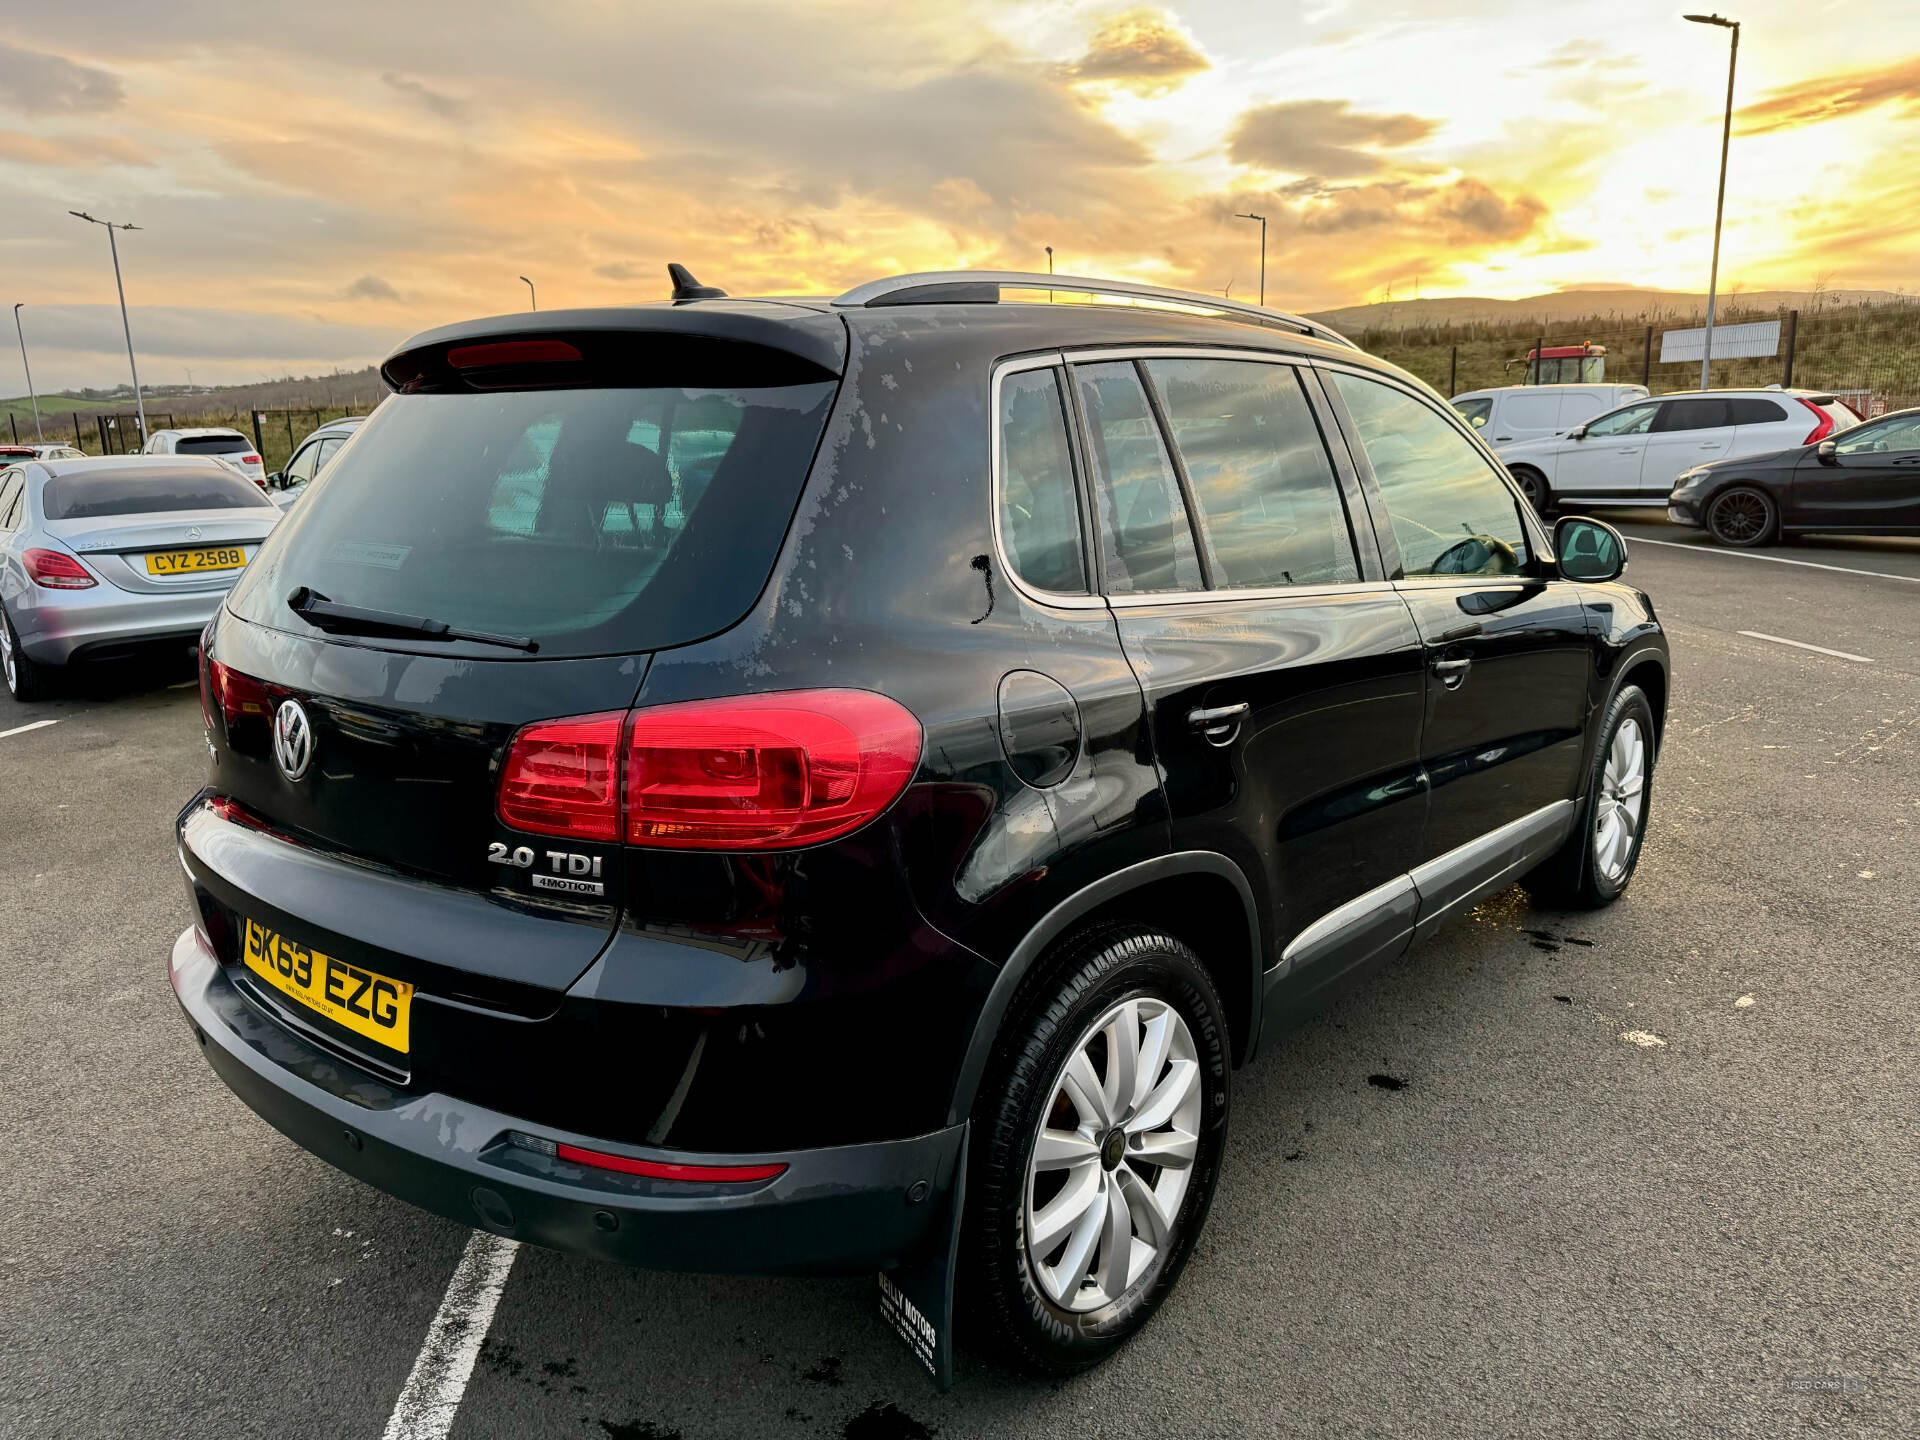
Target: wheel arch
[(1649, 672), (1191, 894)]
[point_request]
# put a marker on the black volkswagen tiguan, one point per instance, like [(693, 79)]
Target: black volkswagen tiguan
[(808, 785)]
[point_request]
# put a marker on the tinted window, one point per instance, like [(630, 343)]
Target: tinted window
[(592, 521), (1757, 412), (10, 491), (1146, 541), (1474, 412), (1693, 415), (1259, 472), (1039, 511), (211, 445), (142, 490), (1451, 514), (1634, 420)]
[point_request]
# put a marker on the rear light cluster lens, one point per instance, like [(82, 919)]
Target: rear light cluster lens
[(1821, 430), (233, 694), (653, 1169), (755, 772), (57, 570)]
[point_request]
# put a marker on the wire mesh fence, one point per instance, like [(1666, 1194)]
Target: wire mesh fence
[(1868, 353), (276, 432)]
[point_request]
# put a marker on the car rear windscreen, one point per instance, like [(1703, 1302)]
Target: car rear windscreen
[(91, 494), (591, 521), (210, 445)]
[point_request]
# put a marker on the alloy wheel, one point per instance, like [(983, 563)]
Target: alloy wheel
[(6, 655), (1739, 517), (1114, 1154), (1621, 802)]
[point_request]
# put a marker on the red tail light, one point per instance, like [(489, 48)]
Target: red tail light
[(512, 352), (1823, 429), (249, 459), (562, 778), (660, 1170), (236, 695), (755, 772), (57, 571)]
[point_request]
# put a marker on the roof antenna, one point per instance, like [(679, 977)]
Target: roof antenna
[(685, 287)]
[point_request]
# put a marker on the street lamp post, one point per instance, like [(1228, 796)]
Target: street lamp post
[(37, 434), (531, 296), (1720, 204), (139, 403), (1263, 251)]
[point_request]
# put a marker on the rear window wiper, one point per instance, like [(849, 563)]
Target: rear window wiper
[(324, 614)]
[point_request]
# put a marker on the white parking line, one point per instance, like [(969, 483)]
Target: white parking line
[(22, 729), (1803, 645), (431, 1397), (1633, 540)]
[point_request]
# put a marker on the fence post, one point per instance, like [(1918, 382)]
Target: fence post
[(1793, 334), (1453, 372), (1646, 360), (16, 427), (1539, 366), (75, 417), (258, 448)]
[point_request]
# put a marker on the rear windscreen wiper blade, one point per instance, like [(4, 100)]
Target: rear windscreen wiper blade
[(324, 614)]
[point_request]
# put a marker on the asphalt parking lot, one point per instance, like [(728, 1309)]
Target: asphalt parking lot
[(1645, 1171)]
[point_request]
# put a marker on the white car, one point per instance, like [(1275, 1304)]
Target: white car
[(215, 440), (1527, 412), (1633, 455)]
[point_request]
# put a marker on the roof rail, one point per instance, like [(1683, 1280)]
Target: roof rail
[(982, 287)]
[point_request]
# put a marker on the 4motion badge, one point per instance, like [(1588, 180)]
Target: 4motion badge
[(569, 873)]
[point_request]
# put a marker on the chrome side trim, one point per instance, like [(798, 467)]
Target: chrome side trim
[(1450, 882), (1336, 926), (899, 290)]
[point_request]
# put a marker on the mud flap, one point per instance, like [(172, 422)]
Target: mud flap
[(916, 1298)]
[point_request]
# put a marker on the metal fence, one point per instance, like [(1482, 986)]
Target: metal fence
[(1867, 353), (276, 433)]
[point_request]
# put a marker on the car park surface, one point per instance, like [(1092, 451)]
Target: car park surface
[(1461, 1204)]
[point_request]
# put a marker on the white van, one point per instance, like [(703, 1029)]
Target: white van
[(1527, 412)]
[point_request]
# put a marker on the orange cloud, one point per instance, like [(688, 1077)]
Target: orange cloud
[(1833, 96), (1327, 138), (86, 151), (1143, 49)]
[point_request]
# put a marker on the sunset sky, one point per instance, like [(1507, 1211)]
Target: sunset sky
[(315, 183)]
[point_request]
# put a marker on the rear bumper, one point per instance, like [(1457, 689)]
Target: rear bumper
[(844, 1209), (104, 623)]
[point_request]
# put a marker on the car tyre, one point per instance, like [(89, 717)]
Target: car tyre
[(1596, 864), (1743, 516), (27, 679), (1534, 486), (1061, 1179)]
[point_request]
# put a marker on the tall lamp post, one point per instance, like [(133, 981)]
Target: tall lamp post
[(1263, 251), (37, 434), (1720, 204), (139, 403), (532, 298)]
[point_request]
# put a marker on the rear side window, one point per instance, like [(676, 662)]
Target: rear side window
[(92, 494), (1451, 514), (592, 521), (211, 445), (11, 488), (1259, 473), (1039, 511), (1146, 540), (1475, 412), (1693, 415), (1758, 412)]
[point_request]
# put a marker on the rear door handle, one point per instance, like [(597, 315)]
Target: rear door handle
[(1452, 672), (1220, 722)]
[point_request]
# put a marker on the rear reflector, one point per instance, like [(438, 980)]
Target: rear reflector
[(57, 571), (660, 1170), (512, 352), (754, 772), (1823, 429), (562, 778)]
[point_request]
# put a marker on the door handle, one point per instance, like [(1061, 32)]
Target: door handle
[(1220, 723), (1451, 672)]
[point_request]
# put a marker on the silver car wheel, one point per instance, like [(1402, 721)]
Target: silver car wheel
[(1114, 1154), (6, 655), (1621, 802)]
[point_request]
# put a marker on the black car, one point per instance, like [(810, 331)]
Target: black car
[(1864, 481), (800, 786)]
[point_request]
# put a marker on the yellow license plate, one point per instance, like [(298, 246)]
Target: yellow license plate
[(185, 562), (366, 1003)]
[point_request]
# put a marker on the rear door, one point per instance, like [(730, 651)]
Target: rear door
[(1686, 433), (1281, 671), (1507, 652), (1872, 481)]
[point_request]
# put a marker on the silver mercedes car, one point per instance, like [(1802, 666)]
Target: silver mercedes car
[(102, 559)]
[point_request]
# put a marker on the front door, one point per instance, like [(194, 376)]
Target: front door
[(1872, 481), (1606, 460), (1282, 672), (1686, 433), (1506, 646)]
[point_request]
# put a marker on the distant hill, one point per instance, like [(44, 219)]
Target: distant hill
[(359, 389), (1582, 301)]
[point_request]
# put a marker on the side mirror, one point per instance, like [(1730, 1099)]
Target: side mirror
[(1589, 549), (1826, 450), (1578, 432)]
